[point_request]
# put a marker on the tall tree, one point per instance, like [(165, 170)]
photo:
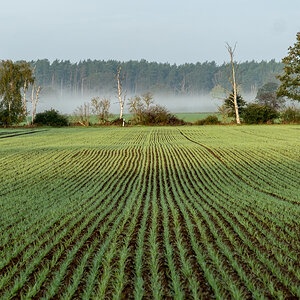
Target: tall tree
[(233, 81), (12, 79), (290, 80), (120, 91)]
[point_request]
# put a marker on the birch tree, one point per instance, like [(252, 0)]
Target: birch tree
[(121, 93), (232, 79), (34, 100)]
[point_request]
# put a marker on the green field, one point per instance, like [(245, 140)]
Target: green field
[(150, 213), (192, 117)]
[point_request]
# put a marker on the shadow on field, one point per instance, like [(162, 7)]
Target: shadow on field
[(15, 133)]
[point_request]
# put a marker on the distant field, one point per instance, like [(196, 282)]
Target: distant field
[(192, 117), (194, 212)]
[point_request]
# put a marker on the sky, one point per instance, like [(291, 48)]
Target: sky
[(167, 31)]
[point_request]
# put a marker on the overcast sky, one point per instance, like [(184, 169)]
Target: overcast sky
[(171, 31)]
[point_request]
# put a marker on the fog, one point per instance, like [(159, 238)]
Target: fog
[(67, 103)]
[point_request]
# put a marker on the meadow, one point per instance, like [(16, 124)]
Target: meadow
[(190, 212)]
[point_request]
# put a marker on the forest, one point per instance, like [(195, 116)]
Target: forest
[(98, 76)]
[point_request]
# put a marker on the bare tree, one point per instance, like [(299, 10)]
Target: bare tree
[(82, 114), (148, 99), (136, 107), (121, 93), (232, 78), (101, 108)]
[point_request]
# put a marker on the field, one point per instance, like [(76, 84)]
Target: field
[(150, 213), (192, 117)]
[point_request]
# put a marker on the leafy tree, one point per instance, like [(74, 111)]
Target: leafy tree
[(230, 105), (290, 80), (13, 77), (267, 95)]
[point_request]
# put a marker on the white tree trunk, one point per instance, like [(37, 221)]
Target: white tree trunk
[(236, 107), (24, 102), (234, 84), (34, 101), (119, 86)]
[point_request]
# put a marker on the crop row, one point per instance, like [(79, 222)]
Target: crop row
[(149, 213)]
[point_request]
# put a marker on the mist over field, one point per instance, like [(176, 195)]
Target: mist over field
[(67, 103)]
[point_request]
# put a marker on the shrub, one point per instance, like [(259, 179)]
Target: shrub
[(209, 120), (259, 114), (159, 115), (290, 115), (51, 118), (117, 121)]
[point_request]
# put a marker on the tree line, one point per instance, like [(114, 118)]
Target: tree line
[(18, 77), (99, 76)]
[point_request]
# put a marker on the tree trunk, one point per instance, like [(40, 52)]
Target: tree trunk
[(34, 101), (32, 104), (24, 102), (236, 108), (234, 84)]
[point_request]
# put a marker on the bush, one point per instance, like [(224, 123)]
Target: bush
[(209, 120), (51, 118), (290, 115), (259, 114), (159, 115), (117, 121)]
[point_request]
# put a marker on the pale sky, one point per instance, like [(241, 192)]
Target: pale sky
[(170, 31)]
